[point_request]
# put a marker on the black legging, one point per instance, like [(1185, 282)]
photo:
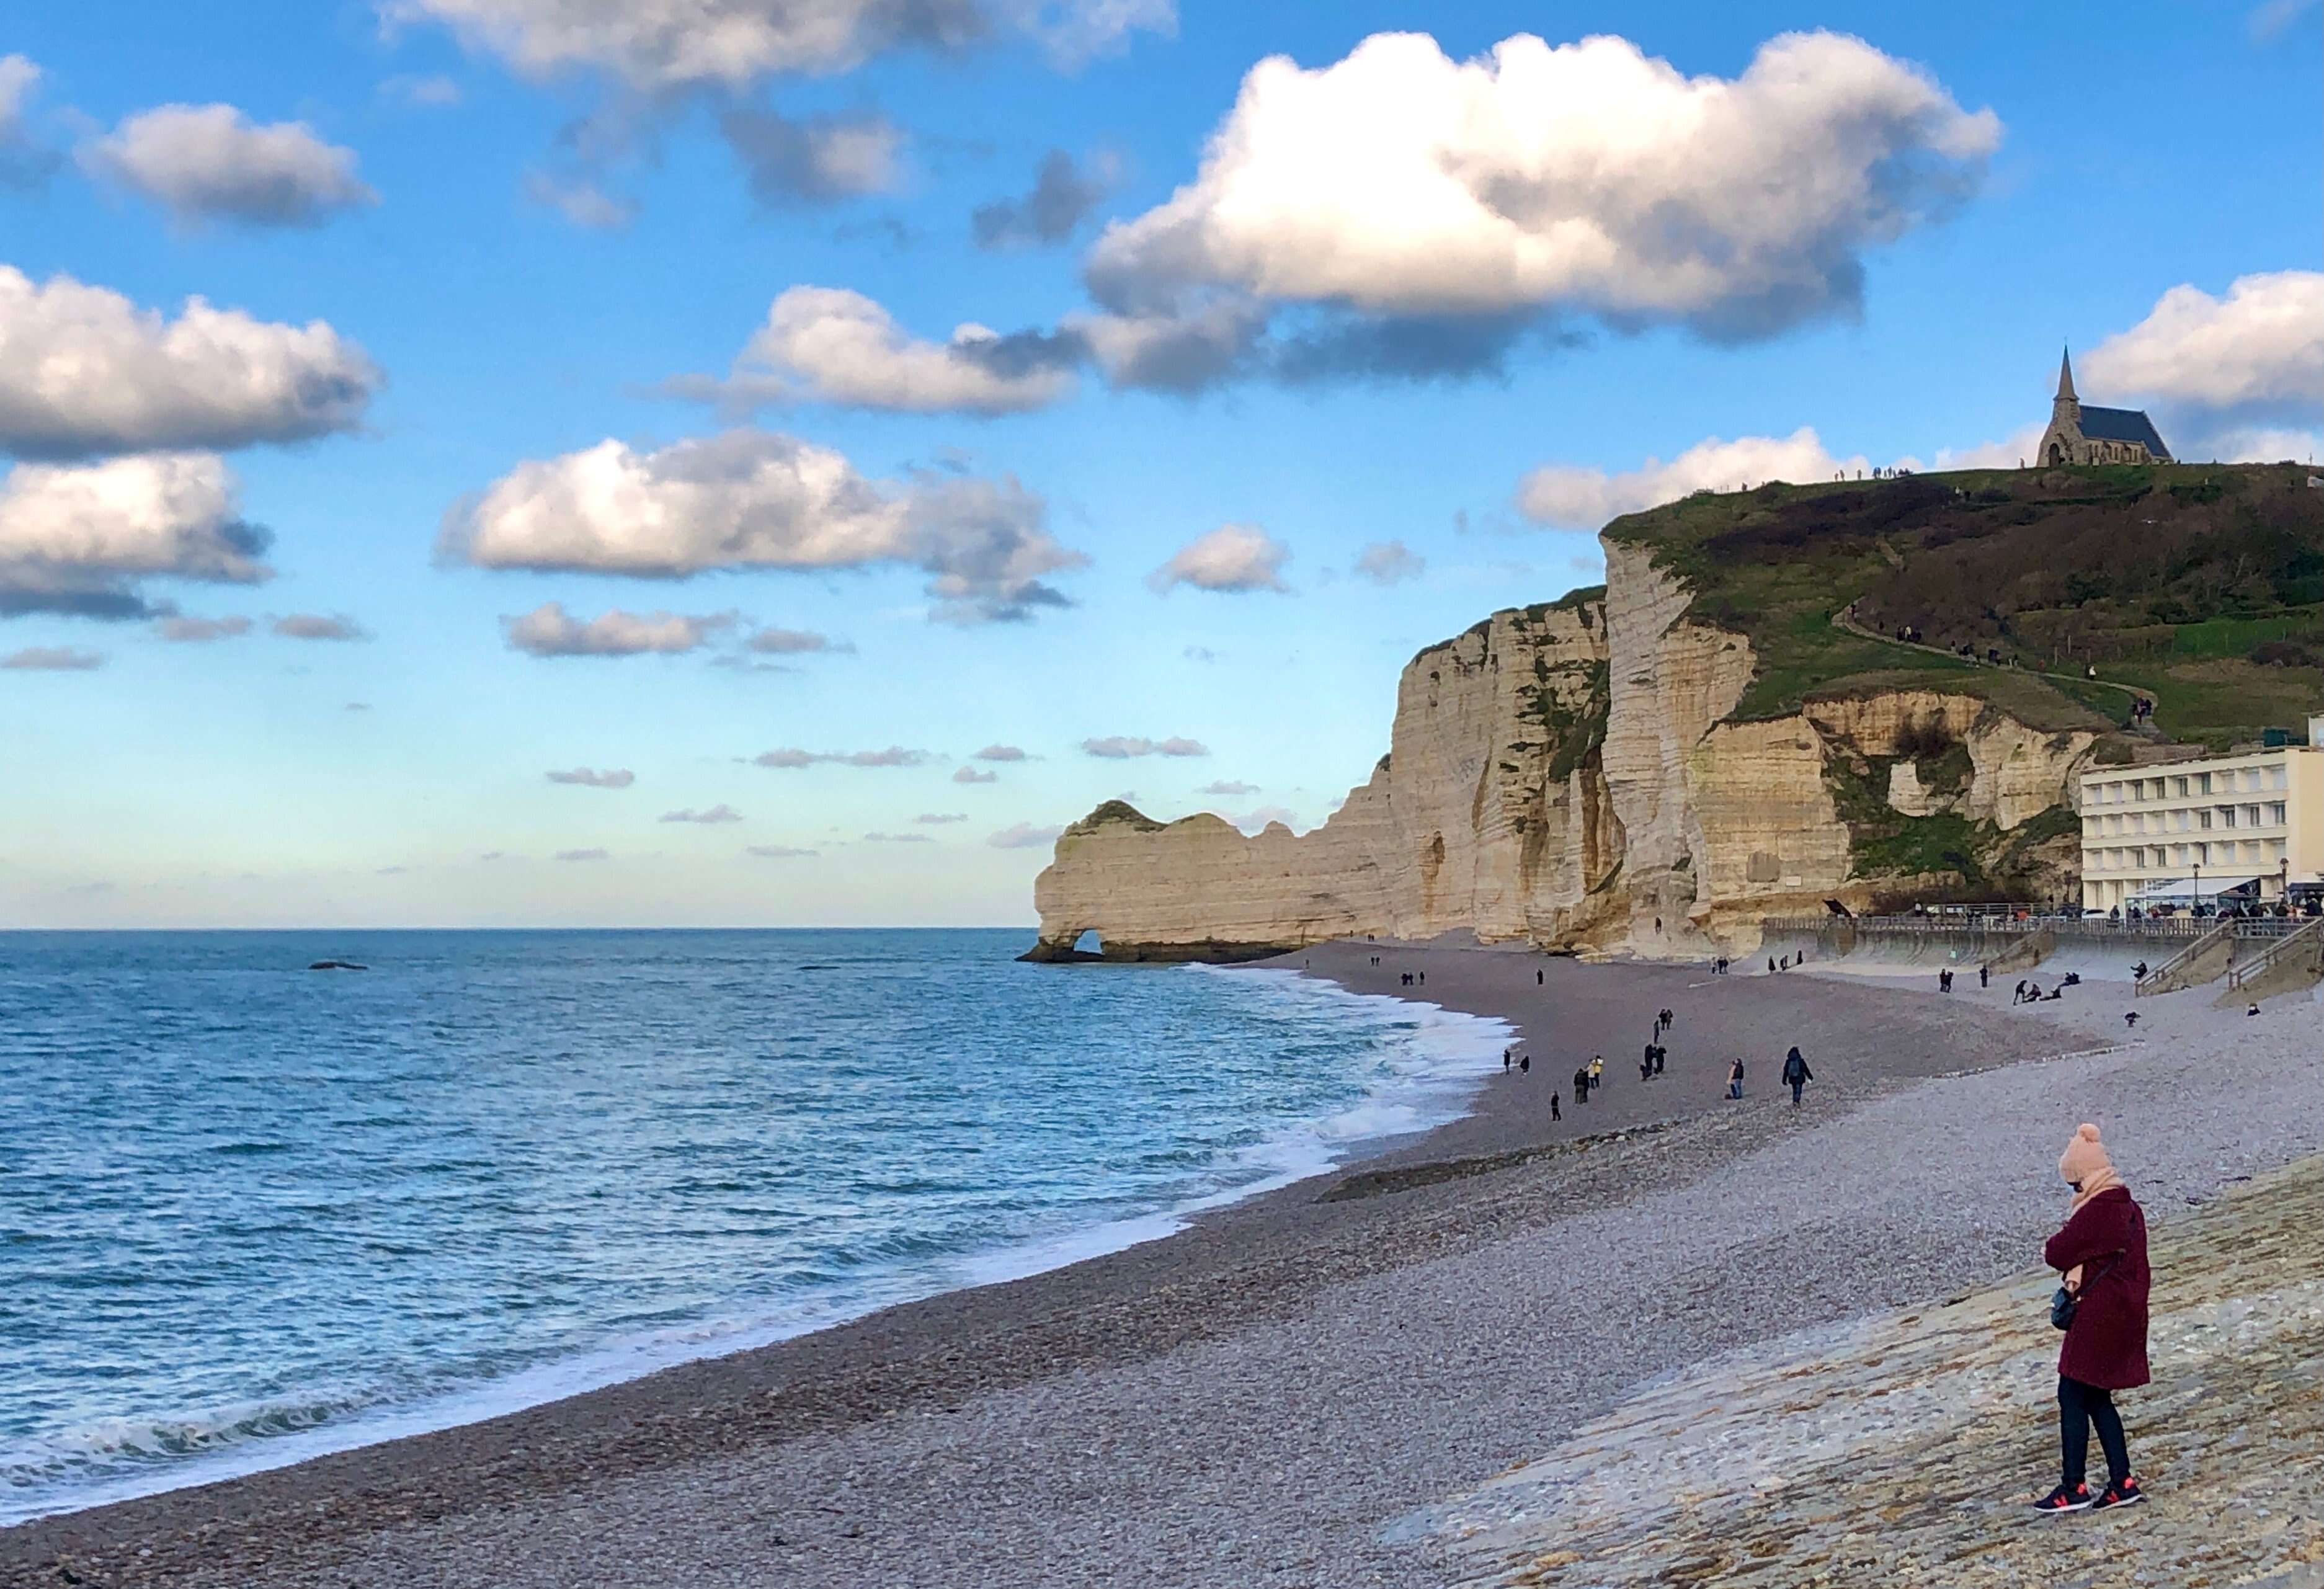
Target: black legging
[(2079, 1407)]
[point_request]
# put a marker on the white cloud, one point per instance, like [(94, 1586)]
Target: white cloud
[(431, 92), (200, 630), (1024, 835), (792, 759), (23, 160), (940, 818), (715, 815), (2273, 17), (777, 852), (582, 200), (787, 643), (1389, 562), (48, 659), (319, 626), (1585, 499), (547, 631), (828, 345), (815, 160), (752, 499), (594, 777), (1586, 179), (1182, 349), (85, 371), (77, 538), (1259, 822), (1121, 747), (662, 44), (971, 775), (2264, 444), (2258, 351), (1062, 196), (1231, 558), (1229, 788), (211, 162), (1002, 752)]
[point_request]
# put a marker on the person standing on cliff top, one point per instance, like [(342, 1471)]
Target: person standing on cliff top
[(2102, 1254)]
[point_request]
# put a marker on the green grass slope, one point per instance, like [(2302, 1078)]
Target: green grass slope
[(2200, 585)]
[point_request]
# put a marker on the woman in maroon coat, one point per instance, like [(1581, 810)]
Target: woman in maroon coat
[(2102, 1253)]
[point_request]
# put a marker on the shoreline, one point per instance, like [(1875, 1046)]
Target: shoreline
[(1274, 1274), (1297, 1148)]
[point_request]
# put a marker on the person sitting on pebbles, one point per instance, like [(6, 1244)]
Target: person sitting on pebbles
[(2102, 1308)]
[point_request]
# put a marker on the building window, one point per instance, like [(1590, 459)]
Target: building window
[(2275, 776), (2275, 814), (2178, 789)]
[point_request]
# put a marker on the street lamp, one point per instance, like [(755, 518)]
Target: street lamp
[(2199, 888)]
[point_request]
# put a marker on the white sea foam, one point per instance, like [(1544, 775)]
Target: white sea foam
[(1429, 1062)]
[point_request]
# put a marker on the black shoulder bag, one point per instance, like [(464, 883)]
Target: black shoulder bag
[(2064, 1305)]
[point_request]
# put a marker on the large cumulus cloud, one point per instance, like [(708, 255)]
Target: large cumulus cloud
[(2258, 352), (1584, 179), (755, 499), (84, 371), (83, 539)]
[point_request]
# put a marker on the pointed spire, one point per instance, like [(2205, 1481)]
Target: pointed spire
[(2066, 377)]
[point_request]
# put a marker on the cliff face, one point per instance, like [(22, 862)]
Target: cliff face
[(1576, 776)]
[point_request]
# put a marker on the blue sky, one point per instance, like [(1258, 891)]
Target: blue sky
[(521, 223)]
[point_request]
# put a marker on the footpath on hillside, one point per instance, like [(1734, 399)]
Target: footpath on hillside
[(1902, 1448)]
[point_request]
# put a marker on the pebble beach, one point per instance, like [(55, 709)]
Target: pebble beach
[(1302, 1389)]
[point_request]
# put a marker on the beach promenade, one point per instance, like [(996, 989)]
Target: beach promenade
[(1666, 1336)]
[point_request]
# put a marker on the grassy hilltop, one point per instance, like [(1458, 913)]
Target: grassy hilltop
[(2200, 585)]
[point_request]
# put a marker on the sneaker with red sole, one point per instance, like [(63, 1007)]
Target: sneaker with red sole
[(2126, 1493), (2076, 1497)]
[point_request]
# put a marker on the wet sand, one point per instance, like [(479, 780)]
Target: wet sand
[(1249, 1402)]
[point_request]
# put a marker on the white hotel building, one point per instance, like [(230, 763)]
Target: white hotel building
[(2245, 826)]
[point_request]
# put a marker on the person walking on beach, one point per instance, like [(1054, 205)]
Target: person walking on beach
[(1797, 1074), (1735, 1079), (1554, 1114), (2102, 1254), (1597, 1071), (1771, 965), (1536, 977), (1984, 976), (1504, 1062), (1661, 1054), (1647, 1064), (1525, 1065), (1581, 1085)]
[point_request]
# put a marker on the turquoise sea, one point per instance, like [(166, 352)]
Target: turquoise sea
[(251, 1212)]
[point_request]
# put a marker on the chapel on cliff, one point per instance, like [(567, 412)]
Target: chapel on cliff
[(2080, 434)]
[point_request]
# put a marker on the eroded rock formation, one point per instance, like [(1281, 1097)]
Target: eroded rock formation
[(1575, 775)]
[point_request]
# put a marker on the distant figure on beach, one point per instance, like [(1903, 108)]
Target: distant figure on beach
[(2101, 1306), (1784, 964), (1944, 981), (1647, 1064), (2138, 972), (1424, 979), (1504, 1062), (1661, 1054), (2130, 1019), (1771, 965), (1553, 1114), (1597, 1071), (2252, 1011), (1797, 1074), (1580, 1084), (1984, 976), (1525, 1065), (2017, 996), (1735, 1079), (1536, 978)]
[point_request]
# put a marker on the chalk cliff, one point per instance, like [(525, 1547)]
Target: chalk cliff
[(1577, 775)]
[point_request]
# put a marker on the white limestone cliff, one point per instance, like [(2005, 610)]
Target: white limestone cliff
[(1574, 776)]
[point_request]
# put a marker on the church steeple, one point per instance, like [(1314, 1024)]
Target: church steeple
[(2066, 377)]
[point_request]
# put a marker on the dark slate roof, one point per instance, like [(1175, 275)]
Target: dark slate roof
[(2122, 424)]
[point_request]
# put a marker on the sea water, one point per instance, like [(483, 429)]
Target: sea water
[(251, 1212)]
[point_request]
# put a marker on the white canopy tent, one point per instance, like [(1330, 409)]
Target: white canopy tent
[(2182, 891)]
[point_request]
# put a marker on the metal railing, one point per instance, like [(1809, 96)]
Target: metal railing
[(2305, 938), (2184, 958), (2095, 928)]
